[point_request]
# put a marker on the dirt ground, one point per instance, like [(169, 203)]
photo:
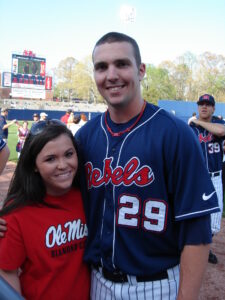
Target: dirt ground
[(213, 287)]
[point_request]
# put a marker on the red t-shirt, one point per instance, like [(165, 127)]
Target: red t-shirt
[(65, 118), (48, 245)]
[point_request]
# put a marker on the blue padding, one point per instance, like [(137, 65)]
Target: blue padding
[(7, 292)]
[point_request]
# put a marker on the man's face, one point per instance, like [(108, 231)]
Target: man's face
[(5, 113), (205, 111), (116, 73)]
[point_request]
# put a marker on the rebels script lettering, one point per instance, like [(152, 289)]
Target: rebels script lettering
[(131, 173)]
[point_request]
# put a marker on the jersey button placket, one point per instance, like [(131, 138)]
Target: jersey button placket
[(107, 232)]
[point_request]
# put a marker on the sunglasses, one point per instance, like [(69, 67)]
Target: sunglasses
[(38, 127)]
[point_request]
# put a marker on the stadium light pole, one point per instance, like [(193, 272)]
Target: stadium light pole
[(127, 15)]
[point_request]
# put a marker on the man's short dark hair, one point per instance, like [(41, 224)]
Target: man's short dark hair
[(113, 37)]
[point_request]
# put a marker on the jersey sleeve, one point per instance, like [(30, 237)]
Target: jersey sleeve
[(12, 250), (190, 186), (2, 144), (195, 231)]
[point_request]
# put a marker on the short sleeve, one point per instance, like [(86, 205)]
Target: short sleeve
[(12, 250), (190, 185)]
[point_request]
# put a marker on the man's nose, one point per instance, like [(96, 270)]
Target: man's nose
[(112, 73)]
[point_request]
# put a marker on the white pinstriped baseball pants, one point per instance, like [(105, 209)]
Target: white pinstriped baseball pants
[(166, 289), (217, 217)]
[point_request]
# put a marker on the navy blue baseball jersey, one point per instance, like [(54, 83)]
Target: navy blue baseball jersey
[(3, 132), (143, 194), (212, 146)]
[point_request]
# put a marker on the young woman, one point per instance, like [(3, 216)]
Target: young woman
[(41, 255), (22, 132)]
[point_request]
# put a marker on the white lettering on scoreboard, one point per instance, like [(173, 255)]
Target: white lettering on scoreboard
[(28, 93)]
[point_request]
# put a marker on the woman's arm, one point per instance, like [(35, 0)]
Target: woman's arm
[(12, 278)]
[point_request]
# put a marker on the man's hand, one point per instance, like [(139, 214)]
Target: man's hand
[(3, 227)]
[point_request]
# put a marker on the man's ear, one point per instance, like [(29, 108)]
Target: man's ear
[(141, 71)]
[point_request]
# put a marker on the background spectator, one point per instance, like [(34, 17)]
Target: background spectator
[(83, 120), (4, 125), (73, 123), (43, 116), (35, 118), (65, 117), (22, 134)]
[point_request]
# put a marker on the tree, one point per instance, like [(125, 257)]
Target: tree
[(157, 85), (64, 74), (179, 74), (185, 78), (211, 75), (83, 81)]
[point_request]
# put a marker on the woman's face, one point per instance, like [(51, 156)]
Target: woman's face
[(25, 125), (57, 164)]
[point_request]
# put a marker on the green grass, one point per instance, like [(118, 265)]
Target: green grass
[(12, 141)]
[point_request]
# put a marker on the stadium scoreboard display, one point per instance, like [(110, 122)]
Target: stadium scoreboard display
[(27, 70), (28, 75)]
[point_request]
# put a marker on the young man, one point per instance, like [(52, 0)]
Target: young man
[(35, 118), (142, 193), (4, 125), (144, 197), (210, 131)]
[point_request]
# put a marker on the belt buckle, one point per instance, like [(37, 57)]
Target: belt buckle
[(121, 277), (115, 276)]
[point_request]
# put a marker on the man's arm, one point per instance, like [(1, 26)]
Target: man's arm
[(4, 155), (12, 278), (9, 124), (194, 259), (215, 128)]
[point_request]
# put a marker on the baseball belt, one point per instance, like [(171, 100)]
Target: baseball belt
[(119, 277)]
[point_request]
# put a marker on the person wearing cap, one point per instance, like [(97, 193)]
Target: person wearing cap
[(210, 131), (35, 118), (43, 116), (65, 117), (4, 125)]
